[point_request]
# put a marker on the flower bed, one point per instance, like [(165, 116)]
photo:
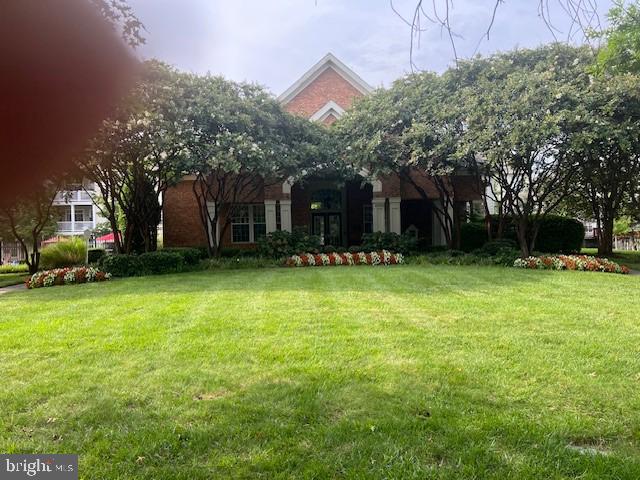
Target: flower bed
[(66, 276), (583, 263), (383, 257)]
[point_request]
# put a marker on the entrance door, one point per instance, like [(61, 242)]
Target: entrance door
[(328, 226)]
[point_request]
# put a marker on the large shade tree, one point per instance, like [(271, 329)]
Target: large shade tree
[(240, 141), (517, 110), (410, 128), (138, 153), (606, 148)]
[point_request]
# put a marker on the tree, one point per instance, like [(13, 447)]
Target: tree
[(621, 52), (517, 105), (138, 154), (605, 146), (121, 16), (30, 219), (240, 142), (410, 128)]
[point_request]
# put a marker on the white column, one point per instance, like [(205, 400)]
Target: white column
[(438, 237), (285, 215), (270, 215), (379, 223), (73, 217), (395, 223)]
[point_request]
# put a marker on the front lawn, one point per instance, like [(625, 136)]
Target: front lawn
[(334, 372)]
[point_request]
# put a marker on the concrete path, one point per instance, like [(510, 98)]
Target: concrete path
[(12, 288)]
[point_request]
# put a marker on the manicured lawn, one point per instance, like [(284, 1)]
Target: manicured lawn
[(629, 258), (7, 279), (344, 372)]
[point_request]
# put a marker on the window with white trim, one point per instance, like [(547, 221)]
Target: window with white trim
[(248, 223), (367, 218)]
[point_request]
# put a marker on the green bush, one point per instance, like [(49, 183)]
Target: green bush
[(494, 246), (559, 234), (393, 242), (10, 268), (151, 263), (95, 254), (156, 263), (121, 265), (65, 253), (473, 235), (282, 244), (504, 257), (190, 256)]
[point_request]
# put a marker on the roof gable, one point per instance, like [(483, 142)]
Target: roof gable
[(329, 61)]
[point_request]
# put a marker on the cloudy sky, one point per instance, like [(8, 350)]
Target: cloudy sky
[(273, 42)]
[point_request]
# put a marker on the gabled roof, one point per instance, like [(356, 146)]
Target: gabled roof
[(330, 108), (328, 61)]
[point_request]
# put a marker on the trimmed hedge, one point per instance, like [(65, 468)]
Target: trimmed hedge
[(392, 242), (557, 234), (190, 256), (151, 263)]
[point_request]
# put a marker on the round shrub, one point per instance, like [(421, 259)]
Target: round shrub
[(558, 234), (494, 246), (121, 265), (155, 263), (65, 253)]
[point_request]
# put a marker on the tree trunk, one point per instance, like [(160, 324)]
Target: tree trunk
[(523, 241), (605, 236)]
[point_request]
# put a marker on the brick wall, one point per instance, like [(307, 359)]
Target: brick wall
[(181, 223), (329, 85)]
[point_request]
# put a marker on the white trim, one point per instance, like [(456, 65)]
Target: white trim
[(286, 186), (330, 108), (270, 215), (328, 61), (285, 215), (394, 215), (379, 220)]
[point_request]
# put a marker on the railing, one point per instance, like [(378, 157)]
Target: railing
[(78, 227), (72, 196)]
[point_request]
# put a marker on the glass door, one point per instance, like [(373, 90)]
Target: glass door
[(328, 226)]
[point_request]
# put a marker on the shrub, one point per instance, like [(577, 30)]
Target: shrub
[(559, 234), (94, 255), (190, 256), (382, 257), (570, 262), (473, 235), (11, 268), (281, 244), (121, 265), (65, 253), (494, 246), (504, 257), (156, 263), (376, 241), (66, 276)]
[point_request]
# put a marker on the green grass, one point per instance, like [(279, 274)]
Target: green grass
[(625, 257), (345, 372), (8, 279)]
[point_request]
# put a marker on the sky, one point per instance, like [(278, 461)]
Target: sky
[(273, 42)]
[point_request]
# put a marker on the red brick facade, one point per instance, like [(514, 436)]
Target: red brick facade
[(329, 85)]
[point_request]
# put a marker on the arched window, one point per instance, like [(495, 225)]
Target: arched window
[(326, 199)]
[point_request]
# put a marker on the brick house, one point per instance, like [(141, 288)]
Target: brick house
[(340, 213)]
